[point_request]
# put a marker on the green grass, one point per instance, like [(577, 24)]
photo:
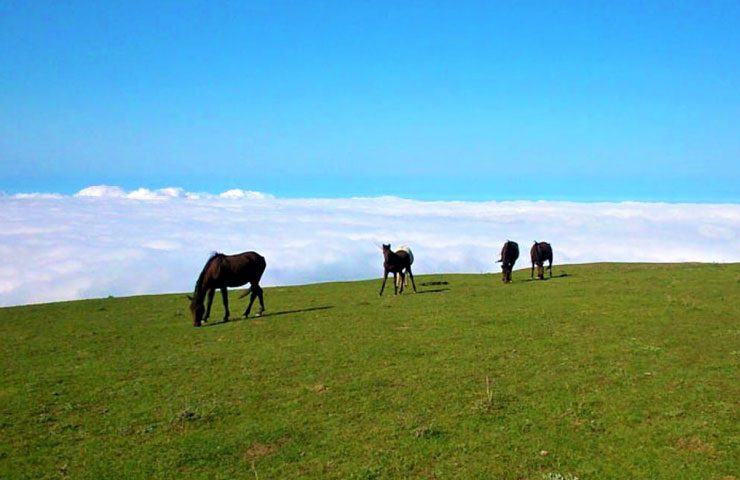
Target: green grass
[(606, 371)]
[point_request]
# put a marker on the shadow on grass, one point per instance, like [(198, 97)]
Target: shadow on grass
[(286, 312), (434, 290), (271, 314), (429, 284), (554, 277)]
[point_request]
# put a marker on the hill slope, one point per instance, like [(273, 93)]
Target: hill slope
[(605, 371)]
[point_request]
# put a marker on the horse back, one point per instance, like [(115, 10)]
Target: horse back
[(541, 252), (397, 261), (510, 252), (407, 249), (237, 270)]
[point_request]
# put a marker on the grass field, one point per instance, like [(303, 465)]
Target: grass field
[(605, 371)]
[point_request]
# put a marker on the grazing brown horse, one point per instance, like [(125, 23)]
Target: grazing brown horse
[(222, 271), (541, 252), (509, 255), (396, 263)]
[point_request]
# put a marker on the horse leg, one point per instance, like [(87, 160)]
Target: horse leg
[(251, 301), (225, 297), (411, 276), (549, 267), (262, 301), (402, 276), (531, 274), (385, 278), (211, 293)]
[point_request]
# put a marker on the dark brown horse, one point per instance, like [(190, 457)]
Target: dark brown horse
[(222, 271), (541, 252), (396, 263), (509, 255)]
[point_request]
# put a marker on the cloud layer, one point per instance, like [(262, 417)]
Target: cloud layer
[(107, 241)]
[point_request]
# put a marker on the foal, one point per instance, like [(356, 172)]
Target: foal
[(396, 263)]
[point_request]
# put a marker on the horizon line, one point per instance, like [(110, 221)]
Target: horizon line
[(369, 279), (237, 193)]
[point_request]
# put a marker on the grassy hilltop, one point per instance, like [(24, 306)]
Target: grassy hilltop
[(605, 371)]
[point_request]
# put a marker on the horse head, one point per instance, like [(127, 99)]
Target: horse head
[(197, 310)]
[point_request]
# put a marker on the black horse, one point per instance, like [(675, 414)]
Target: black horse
[(222, 271), (541, 252), (509, 255), (396, 263)]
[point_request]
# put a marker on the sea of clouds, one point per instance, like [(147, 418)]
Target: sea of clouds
[(105, 240)]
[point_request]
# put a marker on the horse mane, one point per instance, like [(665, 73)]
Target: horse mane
[(214, 255)]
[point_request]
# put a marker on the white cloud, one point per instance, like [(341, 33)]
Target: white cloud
[(106, 191), (101, 191), (107, 241), (237, 193), (37, 195)]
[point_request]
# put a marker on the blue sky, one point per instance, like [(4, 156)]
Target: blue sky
[(459, 100)]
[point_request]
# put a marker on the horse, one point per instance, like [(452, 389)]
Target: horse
[(396, 277), (509, 255), (540, 252), (222, 271), (397, 263)]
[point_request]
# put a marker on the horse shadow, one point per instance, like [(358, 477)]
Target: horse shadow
[(300, 310), (433, 290), (271, 314), (561, 275)]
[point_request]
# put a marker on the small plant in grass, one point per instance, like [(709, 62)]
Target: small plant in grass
[(195, 414), (427, 431), (487, 404), (558, 476)]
